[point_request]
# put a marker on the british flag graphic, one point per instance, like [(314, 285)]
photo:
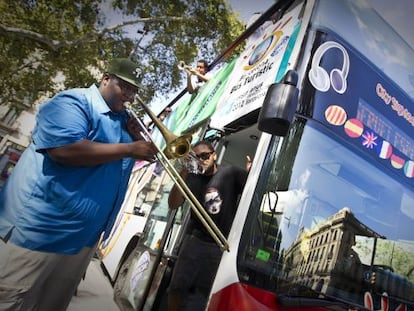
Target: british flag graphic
[(369, 139)]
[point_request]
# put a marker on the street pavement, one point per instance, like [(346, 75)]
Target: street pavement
[(94, 292)]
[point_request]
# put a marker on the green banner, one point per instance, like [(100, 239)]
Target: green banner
[(193, 108)]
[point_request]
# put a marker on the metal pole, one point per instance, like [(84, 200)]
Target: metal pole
[(158, 256)]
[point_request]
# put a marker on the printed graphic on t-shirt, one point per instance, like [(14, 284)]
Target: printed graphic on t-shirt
[(213, 201)]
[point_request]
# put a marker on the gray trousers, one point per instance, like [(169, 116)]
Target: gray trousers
[(32, 280)]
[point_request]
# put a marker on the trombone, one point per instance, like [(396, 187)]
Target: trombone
[(177, 147)]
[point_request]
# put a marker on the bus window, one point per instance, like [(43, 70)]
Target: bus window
[(307, 237)]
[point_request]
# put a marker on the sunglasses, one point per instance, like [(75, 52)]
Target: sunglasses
[(204, 155)]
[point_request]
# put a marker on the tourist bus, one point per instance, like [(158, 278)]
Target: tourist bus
[(321, 95)]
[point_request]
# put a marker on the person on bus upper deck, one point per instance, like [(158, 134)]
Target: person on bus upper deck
[(218, 190), (66, 189), (197, 77)]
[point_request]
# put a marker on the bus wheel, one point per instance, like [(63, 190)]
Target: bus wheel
[(121, 286)]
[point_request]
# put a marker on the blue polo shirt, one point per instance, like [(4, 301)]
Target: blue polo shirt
[(57, 208)]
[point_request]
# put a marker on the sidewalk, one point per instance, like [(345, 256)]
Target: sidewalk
[(95, 292)]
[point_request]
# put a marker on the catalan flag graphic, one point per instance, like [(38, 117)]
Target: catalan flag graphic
[(353, 128), (384, 149), (409, 169), (335, 115), (397, 161)]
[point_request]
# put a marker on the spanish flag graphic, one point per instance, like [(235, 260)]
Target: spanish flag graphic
[(353, 128)]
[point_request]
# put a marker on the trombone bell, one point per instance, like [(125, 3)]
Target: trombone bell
[(182, 65), (177, 147)]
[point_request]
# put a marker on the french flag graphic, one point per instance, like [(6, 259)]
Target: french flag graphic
[(397, 162), (384, 149), (409, 169)]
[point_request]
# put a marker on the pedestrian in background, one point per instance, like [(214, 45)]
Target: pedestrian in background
[(67, 189)]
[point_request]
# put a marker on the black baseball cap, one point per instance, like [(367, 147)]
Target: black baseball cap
[(126, 70)]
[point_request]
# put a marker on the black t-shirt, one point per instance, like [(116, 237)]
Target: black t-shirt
[(218, 194)]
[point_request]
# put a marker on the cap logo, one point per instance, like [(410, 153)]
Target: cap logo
[(137, 72)]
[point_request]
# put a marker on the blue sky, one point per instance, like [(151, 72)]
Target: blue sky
[(246, 8)]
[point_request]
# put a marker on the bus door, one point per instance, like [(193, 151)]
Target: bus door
[(144, 275)]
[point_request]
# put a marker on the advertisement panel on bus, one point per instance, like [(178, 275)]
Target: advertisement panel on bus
[(263, 62)]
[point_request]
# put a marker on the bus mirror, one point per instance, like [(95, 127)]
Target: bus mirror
[(279, 105)]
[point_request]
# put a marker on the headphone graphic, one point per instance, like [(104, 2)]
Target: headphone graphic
[(337, 78)]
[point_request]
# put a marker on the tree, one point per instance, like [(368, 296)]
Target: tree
[(48, 45)]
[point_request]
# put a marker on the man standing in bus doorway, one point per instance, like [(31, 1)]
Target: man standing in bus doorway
[(197, 77), (66, 189), (218, 189)]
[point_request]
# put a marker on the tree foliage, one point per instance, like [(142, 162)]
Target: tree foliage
[(42, 40), (387, 253)]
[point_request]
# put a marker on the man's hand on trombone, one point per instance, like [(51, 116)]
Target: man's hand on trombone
[(141, 148)]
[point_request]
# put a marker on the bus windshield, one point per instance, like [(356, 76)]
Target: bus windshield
[(326, 219)]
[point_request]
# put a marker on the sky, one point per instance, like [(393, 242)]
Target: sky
[(246, 8)]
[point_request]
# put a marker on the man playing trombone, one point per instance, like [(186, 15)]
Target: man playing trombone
[(67, 189), (217, 188)]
